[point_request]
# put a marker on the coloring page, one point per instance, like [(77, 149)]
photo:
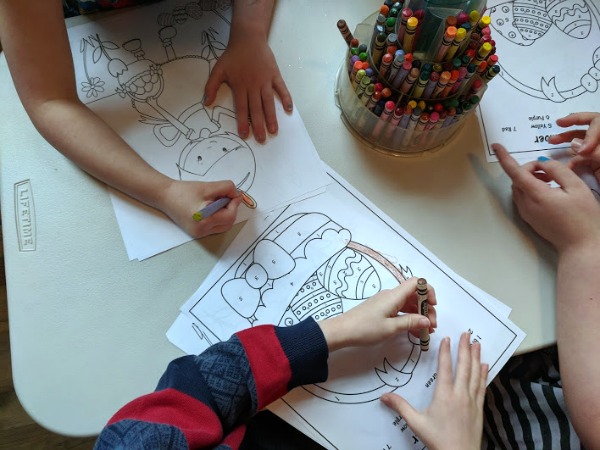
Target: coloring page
[(549, 57), (143, 71), (323, 256)]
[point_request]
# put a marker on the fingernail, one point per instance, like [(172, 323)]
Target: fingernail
[(272, 129), (543, 158), (244, 134), (289, 107), (577, 145)]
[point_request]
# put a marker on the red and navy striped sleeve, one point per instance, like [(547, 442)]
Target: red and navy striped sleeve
[(203, 401)]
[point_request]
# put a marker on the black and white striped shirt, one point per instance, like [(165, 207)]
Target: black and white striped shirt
[(525, 408)]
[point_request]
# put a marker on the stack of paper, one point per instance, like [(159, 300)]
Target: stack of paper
[(300, 254)]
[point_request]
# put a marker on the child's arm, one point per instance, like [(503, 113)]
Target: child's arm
[(250, 69), (202, 401), (36, 46)]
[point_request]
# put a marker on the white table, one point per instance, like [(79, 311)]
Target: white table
[(87, 327)]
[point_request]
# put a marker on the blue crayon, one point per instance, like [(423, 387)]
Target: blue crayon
[(396, 64), (379, 107)]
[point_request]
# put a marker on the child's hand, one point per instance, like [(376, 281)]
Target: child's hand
[(454, 419), (183, 198), (250, 70), (568, 216), (583, 142), (377, 318)]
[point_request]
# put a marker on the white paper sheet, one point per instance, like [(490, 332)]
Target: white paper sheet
[(144, 71), (323, 256), (549, 55)]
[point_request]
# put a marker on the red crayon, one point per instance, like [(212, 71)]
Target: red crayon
[(406, 14), (491, 60), (394, 121), (374, 100)]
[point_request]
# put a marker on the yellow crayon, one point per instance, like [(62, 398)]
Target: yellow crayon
[(461, 33), (409, 34)]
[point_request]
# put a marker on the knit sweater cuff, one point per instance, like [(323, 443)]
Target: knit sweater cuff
[(306, 349)]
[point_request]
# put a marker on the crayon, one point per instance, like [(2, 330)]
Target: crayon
[(386, 93), (386, 62), (402, 74), (375, 97), (450, 21), (379, 107), (491, 73), (383, 118), (354, 42), (393, 123), (449, 117), (362, 48), (423, 309), (476, 86), (414, 118), (377, 30), (406, 116), (377, 52), (406, 14), (360, 89), (355, 68), (391, 43), (396, 64), (444, 78), (422, 122), (409, 34), (346, 33), (420, 84), (462, 17), (368, 93), (491, 60), (474, 18), (462, 73), (453, 78), (431, 84), (483, 22), (449, 36), (357, 79), (409, 81), (211, 209), (461, 33), (421, 104), (390, 25), (384, 10), (482, 52), (481, 68)]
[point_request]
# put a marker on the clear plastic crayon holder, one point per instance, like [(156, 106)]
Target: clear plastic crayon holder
[(383, 135)]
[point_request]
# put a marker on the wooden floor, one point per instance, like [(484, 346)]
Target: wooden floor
[(17, 430)]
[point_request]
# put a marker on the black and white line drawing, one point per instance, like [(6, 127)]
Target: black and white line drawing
[(539, 25), (209, 134), (348, 272)]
